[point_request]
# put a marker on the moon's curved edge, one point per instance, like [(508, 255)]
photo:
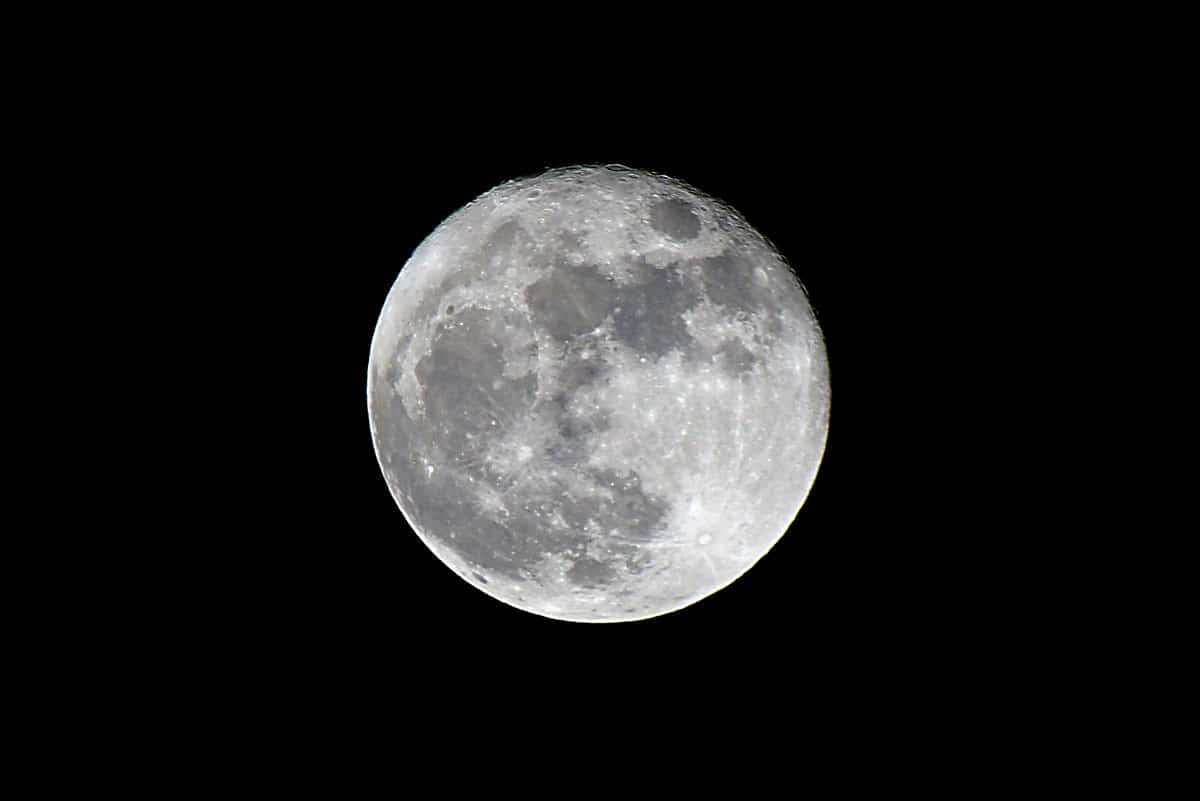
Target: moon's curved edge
[(734, 214)]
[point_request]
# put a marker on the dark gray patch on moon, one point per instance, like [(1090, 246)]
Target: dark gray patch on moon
[(575, 427), (648, 316), (636, 514), (729, 281), (588, 572), (571, 300), (444, 506), (523, 538), (735, 358), (573, 444), (508, 240), (622, 506), (465, 389), (468, 405), (580, 371), (675, 218)]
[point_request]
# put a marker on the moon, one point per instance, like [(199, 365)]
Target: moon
[(598, 394)]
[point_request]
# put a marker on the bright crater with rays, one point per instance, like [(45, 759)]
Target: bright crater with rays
[(598, 394)]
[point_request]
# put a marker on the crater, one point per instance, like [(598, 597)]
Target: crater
[(588, 572), (735, 358), (675, 218)]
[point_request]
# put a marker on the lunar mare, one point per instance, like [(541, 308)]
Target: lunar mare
[(598, 394)]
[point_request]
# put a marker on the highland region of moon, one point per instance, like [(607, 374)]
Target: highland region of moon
[(598, 394)]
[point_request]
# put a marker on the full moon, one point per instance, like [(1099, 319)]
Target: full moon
[(598, 394)]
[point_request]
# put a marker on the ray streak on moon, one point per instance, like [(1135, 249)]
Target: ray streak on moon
[(598, 394)]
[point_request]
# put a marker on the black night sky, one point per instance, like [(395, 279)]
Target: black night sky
[(863, 194)]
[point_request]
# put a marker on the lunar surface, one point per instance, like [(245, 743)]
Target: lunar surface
[(598, 394)]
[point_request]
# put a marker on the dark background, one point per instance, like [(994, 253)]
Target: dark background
[(322, 189), (848, 204), (269, 181)]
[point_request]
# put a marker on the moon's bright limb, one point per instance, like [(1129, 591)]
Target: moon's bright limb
[(598, 394)]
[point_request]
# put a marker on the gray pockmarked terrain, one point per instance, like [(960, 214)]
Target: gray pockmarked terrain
[(598, 394)]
